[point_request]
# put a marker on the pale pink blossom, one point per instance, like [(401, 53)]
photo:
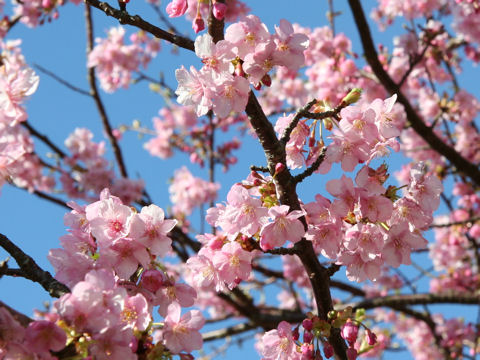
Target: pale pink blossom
[(233, 263), (43, 336), (278, 344), (177, 8), (246, 34), (194, 89), (285, 226), (150, 228), (180, 333)]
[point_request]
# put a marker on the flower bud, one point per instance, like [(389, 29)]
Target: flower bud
[(352, 97), (198, 25), (219, 10)]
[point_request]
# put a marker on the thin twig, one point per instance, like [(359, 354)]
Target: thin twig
[(96, 96), (62, 81)]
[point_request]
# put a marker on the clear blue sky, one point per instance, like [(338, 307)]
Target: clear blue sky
[(35, 224)]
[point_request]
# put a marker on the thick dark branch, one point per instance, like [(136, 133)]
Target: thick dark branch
[(437, 144), (98, 101), (286, 187), (32, 271), (395, 301), (215, 26), (124, 18)]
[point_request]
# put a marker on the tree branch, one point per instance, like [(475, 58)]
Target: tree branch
[(98, 101), (32, 271), (437, 144), (124, 18)]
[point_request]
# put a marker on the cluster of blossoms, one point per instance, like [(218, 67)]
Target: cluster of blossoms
[(18, 162), (284, 342), (453, 334), (245, 57), (198, 11), (452, 253), (366, 226), (188, 192), (35, 12), (465, 17), (90, 172), (178, 127), (108, 311), (115, 61)]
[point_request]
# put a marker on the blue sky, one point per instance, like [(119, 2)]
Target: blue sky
[(59, 46)]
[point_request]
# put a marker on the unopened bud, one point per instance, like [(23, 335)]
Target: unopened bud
[(353, 96), (198, 25), (266, 80), (279, 168)]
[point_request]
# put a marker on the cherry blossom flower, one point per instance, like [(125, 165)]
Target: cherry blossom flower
[(180, 333), (278, 344), (285, 226), (233, 263)]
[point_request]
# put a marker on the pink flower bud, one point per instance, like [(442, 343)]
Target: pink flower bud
[(219, 10), (46, 4), (307, 336), (152, 280), (307, 324), (279, 168), (352, 354), (350, 332), (198, 25), (328, 351), (266, 80), (371, 337), (177, 8)]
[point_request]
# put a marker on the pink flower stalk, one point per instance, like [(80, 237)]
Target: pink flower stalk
[(115, 61), (278, 344), (180, 333), (285, 226)]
